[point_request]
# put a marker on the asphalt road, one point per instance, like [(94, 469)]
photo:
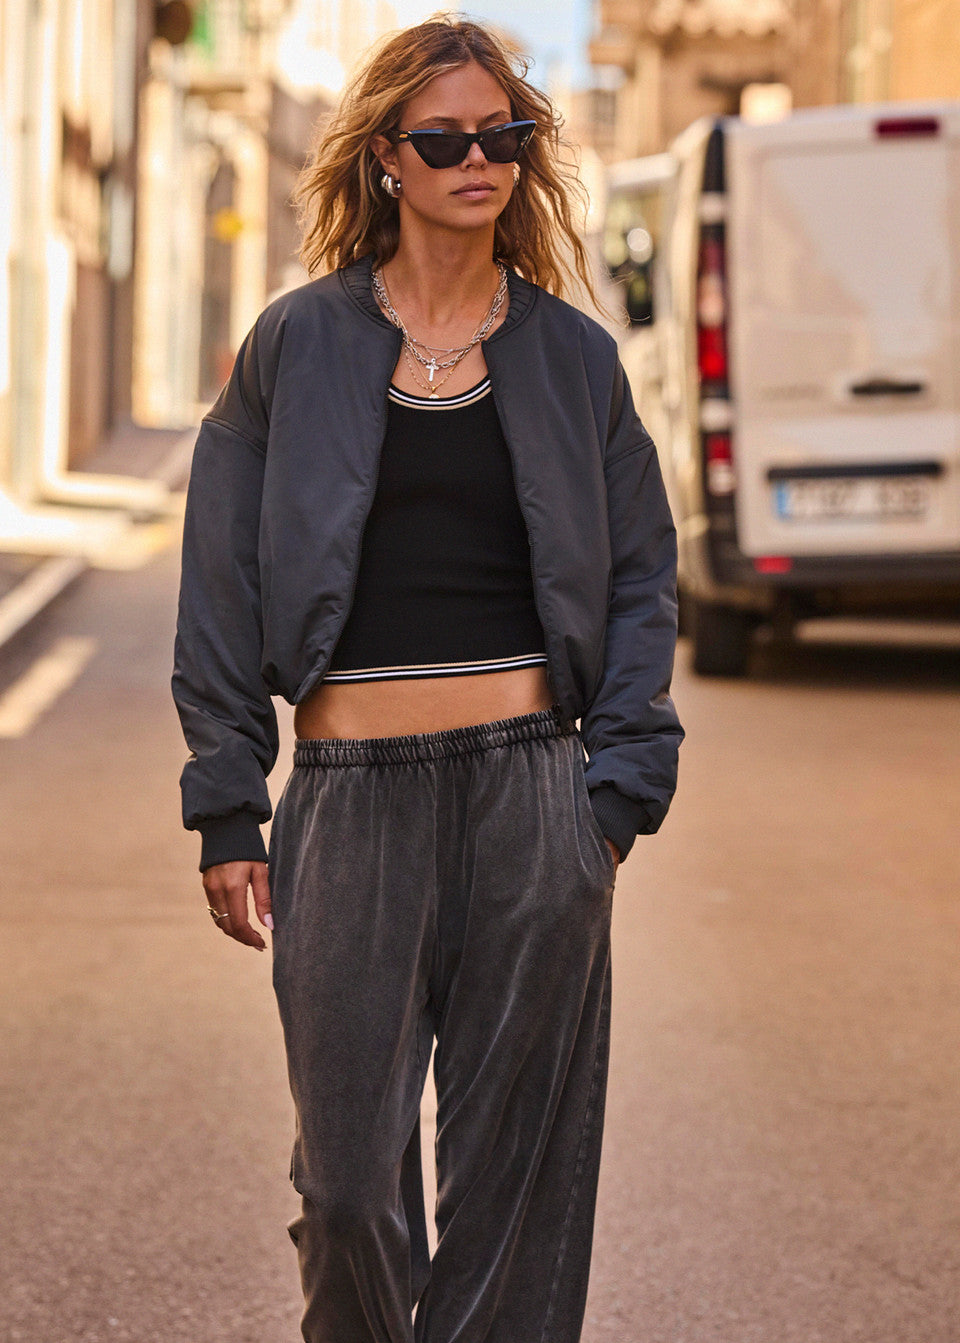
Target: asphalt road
[(782, 1143)]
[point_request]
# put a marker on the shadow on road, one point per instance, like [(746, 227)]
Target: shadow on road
[(848, 665)]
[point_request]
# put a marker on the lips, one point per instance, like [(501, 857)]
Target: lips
[(475, 189)]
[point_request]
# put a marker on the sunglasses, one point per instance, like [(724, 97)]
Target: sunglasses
[(445, 149)]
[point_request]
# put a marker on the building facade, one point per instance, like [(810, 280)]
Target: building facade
[(148, 149), (67, 187), (660, 64), (664, 63)]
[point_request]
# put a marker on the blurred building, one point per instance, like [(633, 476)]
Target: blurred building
[(660, 64), (663, 63), (228, 118), (221, 142), (894, 49), (67, 191), (148, 149)]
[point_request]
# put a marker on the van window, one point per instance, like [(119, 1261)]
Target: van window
[(862, 233), (631, 236)]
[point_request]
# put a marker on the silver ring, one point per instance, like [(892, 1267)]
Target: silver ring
[(217, 917)]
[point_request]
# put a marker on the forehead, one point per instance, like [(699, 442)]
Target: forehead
[(467, 93)]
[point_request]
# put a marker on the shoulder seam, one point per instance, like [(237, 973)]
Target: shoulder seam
[(645, 442), (225, 424)]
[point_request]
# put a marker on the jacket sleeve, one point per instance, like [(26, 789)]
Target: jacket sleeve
[(630, 729), (225, 709)]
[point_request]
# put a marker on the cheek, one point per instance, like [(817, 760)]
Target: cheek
[(426, 186)]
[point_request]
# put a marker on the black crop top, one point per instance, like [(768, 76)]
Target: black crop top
[(444, 586)]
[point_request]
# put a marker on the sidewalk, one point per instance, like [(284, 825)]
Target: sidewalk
[(160, 454), (29, 582)]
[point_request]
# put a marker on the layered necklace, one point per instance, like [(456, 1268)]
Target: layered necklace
[(434, 358)]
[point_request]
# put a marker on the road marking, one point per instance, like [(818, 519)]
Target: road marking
[(36, 591), (31, 694)]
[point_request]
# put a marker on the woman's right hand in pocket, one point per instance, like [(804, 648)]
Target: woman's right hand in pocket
[(226, 886)]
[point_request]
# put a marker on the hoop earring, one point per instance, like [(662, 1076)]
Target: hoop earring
[(391, 185), (516, 174)]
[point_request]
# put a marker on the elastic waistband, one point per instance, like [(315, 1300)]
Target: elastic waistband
[(419, 746)]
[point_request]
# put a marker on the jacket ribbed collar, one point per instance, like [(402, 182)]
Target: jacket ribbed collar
[(356, 279)]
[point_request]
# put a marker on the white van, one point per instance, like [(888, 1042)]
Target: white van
[(805, 387)]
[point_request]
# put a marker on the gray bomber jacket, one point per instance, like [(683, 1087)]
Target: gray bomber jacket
[(284, 472)]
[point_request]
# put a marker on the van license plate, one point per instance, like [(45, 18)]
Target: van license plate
[(880, 497)]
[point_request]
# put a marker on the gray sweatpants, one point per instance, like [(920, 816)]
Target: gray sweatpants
[(453, 884)]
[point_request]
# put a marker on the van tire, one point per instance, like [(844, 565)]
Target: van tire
[(721, 639), (685, 604)]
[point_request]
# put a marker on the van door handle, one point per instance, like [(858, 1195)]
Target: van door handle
[(886, 387)]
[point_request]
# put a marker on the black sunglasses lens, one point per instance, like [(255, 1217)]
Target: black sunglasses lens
[(504, 143), (445, 150)]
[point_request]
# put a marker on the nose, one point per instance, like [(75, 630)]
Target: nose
[(475, 156)]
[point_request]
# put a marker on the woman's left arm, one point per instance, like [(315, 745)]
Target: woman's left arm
[(630, 729)]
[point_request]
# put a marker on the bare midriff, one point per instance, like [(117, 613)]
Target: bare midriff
[(434, 704)]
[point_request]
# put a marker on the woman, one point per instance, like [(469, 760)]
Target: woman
[(424, 511)]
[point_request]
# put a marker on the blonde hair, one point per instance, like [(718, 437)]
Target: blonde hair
[(344, 214)]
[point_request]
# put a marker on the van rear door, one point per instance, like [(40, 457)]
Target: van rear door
[(843, 246)]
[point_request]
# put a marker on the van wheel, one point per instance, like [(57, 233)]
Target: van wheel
[(685, 604), (721, 639)]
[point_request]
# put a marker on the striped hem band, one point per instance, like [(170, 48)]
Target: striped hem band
[(428, 669)]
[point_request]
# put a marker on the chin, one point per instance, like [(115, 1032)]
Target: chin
[(467, 212)]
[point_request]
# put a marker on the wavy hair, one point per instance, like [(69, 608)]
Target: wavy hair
[(342, 212)]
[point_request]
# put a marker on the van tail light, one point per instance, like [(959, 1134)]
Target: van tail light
[(773, 564), (901, 127), (711, 306), (719, 460), (716, 441), (712, 354), (711, 311)]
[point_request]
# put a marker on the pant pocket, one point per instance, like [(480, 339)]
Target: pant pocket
[(587, 813)]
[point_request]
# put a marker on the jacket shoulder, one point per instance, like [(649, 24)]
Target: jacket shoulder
[(574, 323), (325, 291)]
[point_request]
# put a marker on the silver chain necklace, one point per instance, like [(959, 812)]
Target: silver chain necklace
[(412, 346)]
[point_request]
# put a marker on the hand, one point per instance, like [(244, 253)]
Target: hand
[(226, 888), (614, 853)]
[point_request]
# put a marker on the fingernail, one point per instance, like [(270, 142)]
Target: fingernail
[(268, 921)]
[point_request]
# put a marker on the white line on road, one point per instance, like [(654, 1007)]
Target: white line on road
[(22, 703), (36, 591)]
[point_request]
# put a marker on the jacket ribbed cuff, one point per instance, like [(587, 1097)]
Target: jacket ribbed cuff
[(231, 839), (619, 817)]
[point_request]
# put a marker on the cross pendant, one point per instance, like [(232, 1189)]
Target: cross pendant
[(432, 368)]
